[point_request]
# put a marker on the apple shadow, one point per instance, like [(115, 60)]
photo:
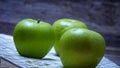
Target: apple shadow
[(56, 55), (47, 59)]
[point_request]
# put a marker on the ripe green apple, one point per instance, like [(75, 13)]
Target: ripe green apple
[(81, 48), (62, 25), (33, 38)]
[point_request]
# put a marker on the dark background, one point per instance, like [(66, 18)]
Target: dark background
[(102, 16)]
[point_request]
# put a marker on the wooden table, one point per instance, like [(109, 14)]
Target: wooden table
[(10, 57)]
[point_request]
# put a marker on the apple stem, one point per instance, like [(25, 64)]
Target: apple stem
[(38, 21)]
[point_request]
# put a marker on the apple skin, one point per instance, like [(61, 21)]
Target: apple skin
[(33, 38), (81, 48), (62, 25)]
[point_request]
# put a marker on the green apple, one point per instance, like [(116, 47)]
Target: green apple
[(33, 38), (81, 48), (62, 25)]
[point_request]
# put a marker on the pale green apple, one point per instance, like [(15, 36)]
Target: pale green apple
[(62, 25), (81, 48), (33, 38)]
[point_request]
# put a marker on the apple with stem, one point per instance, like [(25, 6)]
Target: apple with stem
[(81, 48), (33, 38), (62, 25)]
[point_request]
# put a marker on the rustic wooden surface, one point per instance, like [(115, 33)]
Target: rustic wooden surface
[(8, 51), (6, 64)]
